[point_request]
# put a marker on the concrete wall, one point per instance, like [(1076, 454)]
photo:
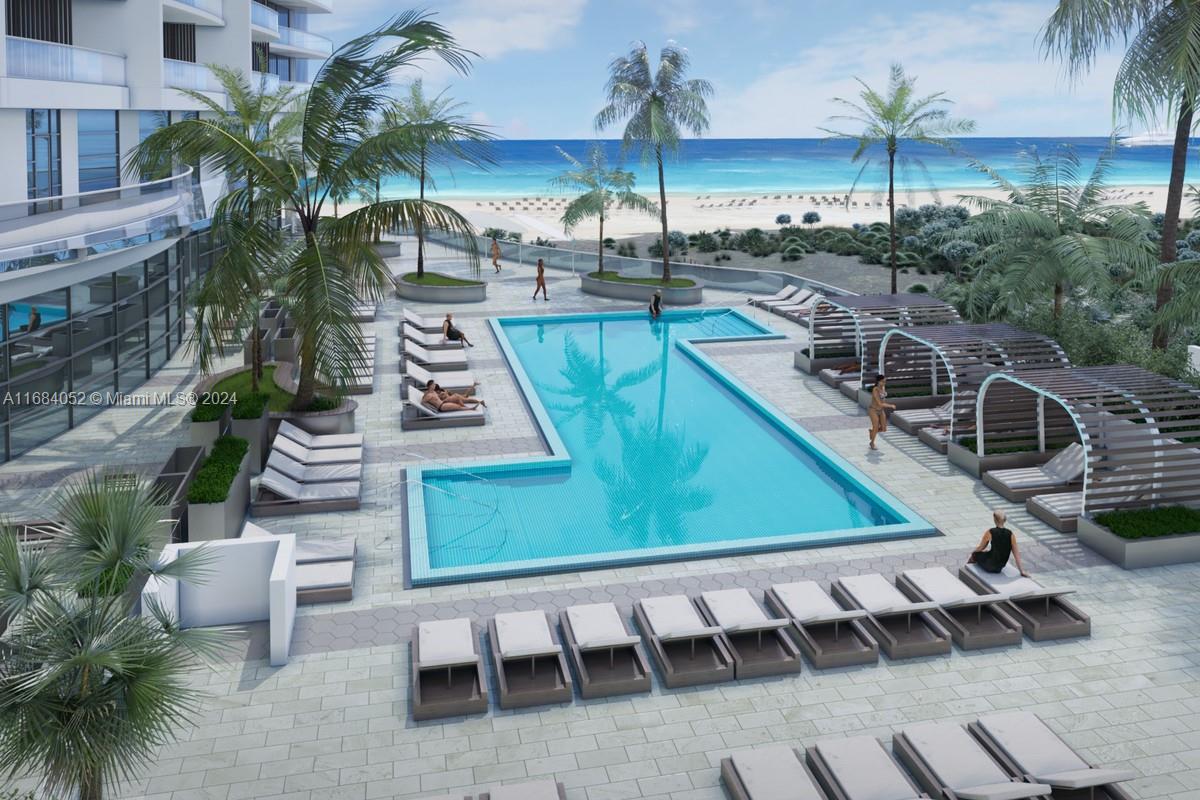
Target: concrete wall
[(1194, 356)]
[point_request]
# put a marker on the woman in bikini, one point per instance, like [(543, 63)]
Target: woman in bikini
[(434, 400), (464, 400), (453, 334), (495, 254), (541, 281), (879, 408)]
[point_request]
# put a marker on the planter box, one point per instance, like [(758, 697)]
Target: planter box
[(203, 434), (267, 335), (472, 293), (1158, 551), (966, 459), (690, 296), (271, 318), (318, 423), (286, 344), (209, 521), (813, 366), (388, 249), (255, 431), (173, 480)]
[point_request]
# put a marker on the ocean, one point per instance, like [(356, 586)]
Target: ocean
[(781, 165)]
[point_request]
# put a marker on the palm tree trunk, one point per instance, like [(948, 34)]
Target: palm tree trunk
[(307, 384), (256, 359), (417, 224), (662, 199), (892, 213), (91, 787), (378, 233), (1058, 300), (600, 248), (1167, 254)]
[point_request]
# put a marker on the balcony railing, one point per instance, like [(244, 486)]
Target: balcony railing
[(264, 17), (186, 75), (50, 61), (304, 40), (269, 81), (209, 6)]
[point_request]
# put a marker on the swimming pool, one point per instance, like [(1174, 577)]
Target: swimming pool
[(657, 453)]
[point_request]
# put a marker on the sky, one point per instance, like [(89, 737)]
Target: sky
[(774, 64)]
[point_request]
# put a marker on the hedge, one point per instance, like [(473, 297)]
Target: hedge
[(216, 474), (251, 405), (208, 412), (1148, 523)]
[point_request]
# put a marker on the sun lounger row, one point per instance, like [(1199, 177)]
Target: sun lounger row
[(309, 473), (1004, 756), (792, 302), (324, 568), (364, 312), (447, 368)]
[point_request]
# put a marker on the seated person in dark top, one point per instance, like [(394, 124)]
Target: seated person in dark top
[(453, 334), (1002, 542)]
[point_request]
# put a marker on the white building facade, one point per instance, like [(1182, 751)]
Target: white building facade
[(95, 264)]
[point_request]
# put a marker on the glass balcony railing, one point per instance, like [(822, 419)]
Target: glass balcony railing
[(50, 61), (264, 17), (269, 81), (304, 40), (186, 75), (210, 6)]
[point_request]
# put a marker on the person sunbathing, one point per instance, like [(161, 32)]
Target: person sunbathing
[(439, 399)]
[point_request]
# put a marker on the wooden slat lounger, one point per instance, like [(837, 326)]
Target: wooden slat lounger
[(828, 635), (904, 629), (689, 652), (447, 670), (1043, 612), (776, 772), (949, 763), (759, 643), (975, 621), (608, 659), (530, 664), (859, 768)]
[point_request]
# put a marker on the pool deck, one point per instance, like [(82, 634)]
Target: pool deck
[(334, 723)]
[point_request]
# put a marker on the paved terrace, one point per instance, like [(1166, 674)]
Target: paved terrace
[(334, 723)]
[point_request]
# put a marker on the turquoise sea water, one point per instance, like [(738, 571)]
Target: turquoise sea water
[(664, 458), (764, 165)]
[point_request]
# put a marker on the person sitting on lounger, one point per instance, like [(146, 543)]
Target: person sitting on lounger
[(879, 408), (1002, 541), (656, 304), (464, 400), (453, 334), (434, 400)]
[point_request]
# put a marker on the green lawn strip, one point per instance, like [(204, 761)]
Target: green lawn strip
[(238, 385), (437, 279), (1148, 523), (616, 277)]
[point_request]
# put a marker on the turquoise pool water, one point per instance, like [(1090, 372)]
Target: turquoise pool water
[(657, 454)]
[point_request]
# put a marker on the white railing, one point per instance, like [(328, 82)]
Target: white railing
[(264, 17), (209, 6), (186, 75), (269, 81), (50, 61), (304, 40)]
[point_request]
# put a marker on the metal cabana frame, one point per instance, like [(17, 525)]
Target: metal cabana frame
[(1140, 430), (954, 360)]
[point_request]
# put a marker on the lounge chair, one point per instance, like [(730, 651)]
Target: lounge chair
[(319, 441), (975, 621), (530, 790), (309, 551), (775, 772), (760, 644), (330, 455), (1027, 748), (1063, 473), (801, 303), (836, 376), (608, 659), (278, 494), (911, 420), (452, 381), (320, 473), (828, 635), (363, 312), (779, 297), (904, 629), (949, 763), (689, 652), (418, 414), (1043, 612), (437, 361), (432, 341), (860, 768), (935, 437), (447, 670), (1060, 510), (530, 664), (415, 321), (324, 581)]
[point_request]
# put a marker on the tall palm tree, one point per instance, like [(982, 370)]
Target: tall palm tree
[(441, 135), (89, 690), (656, 104), (1053, 232), (602, 189), (1160, 70), (888, 121), (335, 150)]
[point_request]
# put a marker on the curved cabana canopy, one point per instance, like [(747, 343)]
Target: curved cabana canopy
[(954, 360), (1140, 430), (850, 327)]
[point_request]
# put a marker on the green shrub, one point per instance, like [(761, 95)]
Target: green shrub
[(216, 474), (320, 403), (251, 405), (919, 288), (609, 243), (1147, 523), (208, 412)]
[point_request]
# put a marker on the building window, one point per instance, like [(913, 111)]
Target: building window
[(44, 20), (177, 116), (148, 123), (281, 66), (99, 152), (179, 41), (43, 157)]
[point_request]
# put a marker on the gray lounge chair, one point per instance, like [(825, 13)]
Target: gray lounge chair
[(949, 763), (320, 473), (904, 629), (414, 320), (1043, 612), (419, 415), (530, 790), (278, 494), (363, 312), (530, 664), (330, 455), (779, 297), (912, 420), (776, 772), (1059, 511), (760, 644), (975, 621), (689, 652), (835, 376), (319, 441), (828, 635), (1026, 747), (447, 670), (435, 360), (1063, 473), (430, 341), (799, 299), (324, 581), (800, 306), (460, 380), (608, 659), (860, 768), (935, 437), (310, 551)]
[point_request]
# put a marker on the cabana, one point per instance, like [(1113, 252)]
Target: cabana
[(1140, 432)]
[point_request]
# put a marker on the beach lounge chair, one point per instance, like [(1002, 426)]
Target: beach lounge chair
[(1063, 473), (828, 635), (1043, 612), (800, 298), (363, 312), (447, 670), (318, 473), (935, 437), (453, 381), (779, 297), (1060, 510), (424, 324), (689, 652), (836, 376), (912, 420), (419, 415), (432, 341), (324, 581), (975, 621), (435, 360), (949, 763), (530, 790), (776, 772), (530, 665), (904, 629), (330, 455), (860, 768), (1026, 747), (319, 441), (760, 644), (279, 494), (608, 659)]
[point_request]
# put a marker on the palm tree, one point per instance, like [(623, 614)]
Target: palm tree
[(1053, 232), (1160, 70), (889, 120), (441, 135), (602, 189), (89, 690), (656, 103), (335, 151)]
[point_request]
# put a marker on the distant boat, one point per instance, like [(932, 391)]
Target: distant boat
[(1160, 138)]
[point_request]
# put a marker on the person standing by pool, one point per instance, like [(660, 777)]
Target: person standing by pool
[(878, 408), (541, 281), (656, 304), (1002, 542), (495, 254), (453, 334), (35, 319)]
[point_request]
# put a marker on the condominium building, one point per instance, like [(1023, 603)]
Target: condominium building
[(95, 263)]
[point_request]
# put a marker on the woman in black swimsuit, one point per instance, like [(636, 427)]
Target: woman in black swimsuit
[(656, 304), (453, 334), (1003, 542)]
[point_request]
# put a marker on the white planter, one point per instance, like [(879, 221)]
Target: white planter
[(203, 434), (1156, 551), (254, 431), (210, 521)]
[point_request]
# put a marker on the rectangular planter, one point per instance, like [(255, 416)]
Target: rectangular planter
[(203, 434), (254, 431), (1158, 551), (210, 521), (270, 318), (967, 461), (267, 335), (173, 479), (286, 345)]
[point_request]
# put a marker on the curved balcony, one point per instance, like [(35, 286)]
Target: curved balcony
[(50, 61), (186, 75), (296, 43), (269, 81), (73, 227), (193, 12), (264, 23)]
